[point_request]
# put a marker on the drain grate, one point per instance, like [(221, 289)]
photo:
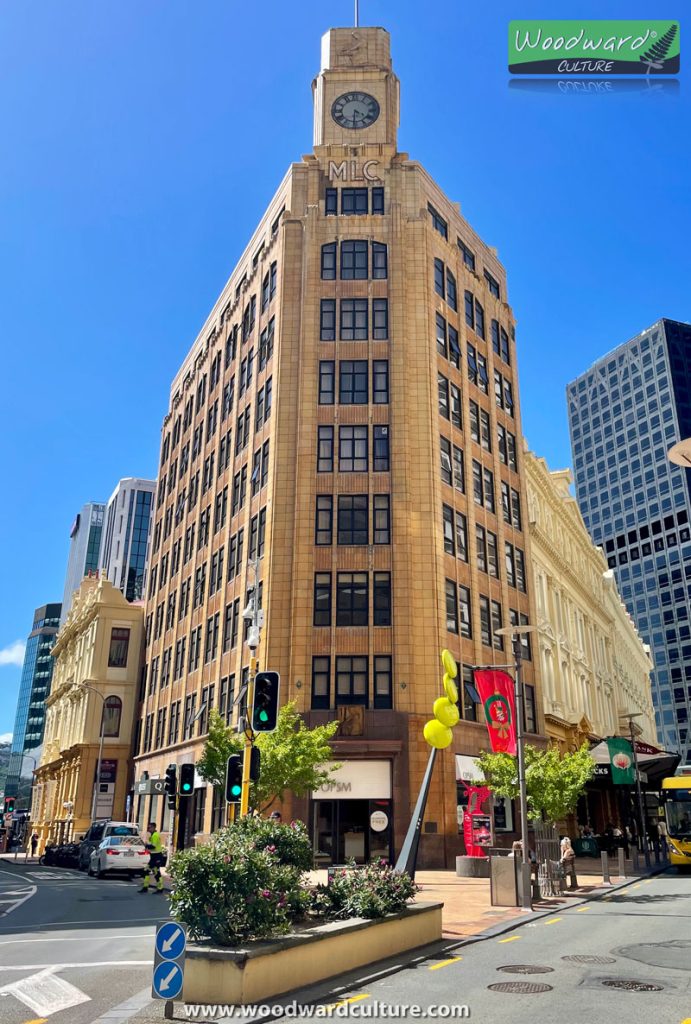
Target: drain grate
[(631, 985), (587, 958), (525, 988), (526, 969)]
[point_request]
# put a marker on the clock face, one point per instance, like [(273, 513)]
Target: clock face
[(355, 110)]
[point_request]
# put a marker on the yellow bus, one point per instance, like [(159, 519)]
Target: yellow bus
[(676, 793)]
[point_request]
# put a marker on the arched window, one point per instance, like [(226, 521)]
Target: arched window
[(112, 713)]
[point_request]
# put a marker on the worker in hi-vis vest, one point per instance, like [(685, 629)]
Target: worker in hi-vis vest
[(156, 860)]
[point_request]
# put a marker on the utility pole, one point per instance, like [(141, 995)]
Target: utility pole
[(255, 616), (515, 634), (639, 792)]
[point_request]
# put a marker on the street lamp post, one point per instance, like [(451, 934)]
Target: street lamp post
[(97, 780), (516, 633), (639, 793)]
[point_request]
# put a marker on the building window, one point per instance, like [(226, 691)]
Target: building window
[(479, 320), (351, 680), (327, 375), (438, 222), (529, 707), (354, 201), (443, 395), (323, 520), (380, 381), (480, 548), (454, 348), (322, 599), (451, 607), (328, 264), (119, 647), (439, 279), (352, 519), (327, 320), (445, 454), (465, 612), (378, 200), (383, 687), (469, 309), (468, 255), (354, 326), (353, 382), (441, 334), (492, 284), (331, 201), (380, 319), (112, 713), (449, 535), (462, 536), (321, 683), (382, 599), (485, 624), (352, 599), (325, 449), (497, 640), (470, 697), (380, 269), (352, 449), (451, 293), (381, 519), (380, 449), (458, 470), (354, 260)]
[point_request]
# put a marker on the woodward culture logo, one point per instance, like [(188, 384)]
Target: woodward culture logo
[(594, 47)]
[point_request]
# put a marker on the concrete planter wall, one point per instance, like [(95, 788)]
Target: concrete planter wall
[(214, 974)]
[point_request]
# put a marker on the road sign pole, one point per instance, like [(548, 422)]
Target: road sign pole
[(247, 755)]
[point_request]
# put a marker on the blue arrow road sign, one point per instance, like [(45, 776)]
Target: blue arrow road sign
[(167, 982), (170, 940)]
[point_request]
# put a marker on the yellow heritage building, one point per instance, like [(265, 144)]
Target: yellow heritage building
[(349, 414), (97, 669), (594, 663)]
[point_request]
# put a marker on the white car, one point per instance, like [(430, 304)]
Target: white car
[(119, 853)]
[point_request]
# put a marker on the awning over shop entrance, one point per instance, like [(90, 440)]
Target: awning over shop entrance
[(467, 769), (653, 763)]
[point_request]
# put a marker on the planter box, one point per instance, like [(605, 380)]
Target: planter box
[(214, 974)]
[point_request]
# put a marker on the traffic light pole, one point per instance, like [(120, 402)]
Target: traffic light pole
[(253, 639)]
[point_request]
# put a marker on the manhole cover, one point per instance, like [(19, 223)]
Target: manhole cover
[(526, 969), (525, 988), (587, 958), (630, 985)]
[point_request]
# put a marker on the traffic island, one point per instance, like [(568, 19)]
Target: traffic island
[(261, 970)]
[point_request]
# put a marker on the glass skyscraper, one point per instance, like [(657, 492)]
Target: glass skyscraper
[(625, 413), (85, 544), (34, 687), (125, 540)]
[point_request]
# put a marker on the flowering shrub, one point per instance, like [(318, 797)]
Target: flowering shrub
[(371, 891), (246, 884)]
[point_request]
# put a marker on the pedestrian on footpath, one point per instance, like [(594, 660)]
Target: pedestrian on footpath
[(34, 843), (568, 862), (157, 859)]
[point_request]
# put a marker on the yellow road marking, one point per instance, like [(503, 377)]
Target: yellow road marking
[(445, 963), (687, 1021), (582, 910), (37, 1020), (351, 999), (553, 920), (649, 881), (511, 938), (622, 892), (636, 886)]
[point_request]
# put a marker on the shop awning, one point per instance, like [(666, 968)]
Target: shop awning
[(467, 769), (653, 763)]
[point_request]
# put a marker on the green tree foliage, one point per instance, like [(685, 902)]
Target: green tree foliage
[(553, 782), (292, 757)]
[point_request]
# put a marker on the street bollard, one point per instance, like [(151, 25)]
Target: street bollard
[(605, 868), (634, 860), (622, 863)]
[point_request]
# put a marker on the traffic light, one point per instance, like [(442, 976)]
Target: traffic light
[(265, 707), (186, 779), (255, 764), (234, 779), (171, 784), (9, 804)]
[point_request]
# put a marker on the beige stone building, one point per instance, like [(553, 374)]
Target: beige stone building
[(594, 663), (98, 658), (349, 413)]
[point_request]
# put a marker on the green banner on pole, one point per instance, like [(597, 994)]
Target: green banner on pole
[(621, 759)]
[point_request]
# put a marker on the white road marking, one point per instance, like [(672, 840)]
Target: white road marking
[(67, 967), (63, 924), (77, 938), (30, 891), (45, 994)]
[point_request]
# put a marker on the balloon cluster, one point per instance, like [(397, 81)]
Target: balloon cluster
[(437, 731)]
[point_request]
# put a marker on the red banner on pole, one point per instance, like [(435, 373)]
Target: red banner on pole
[(497, 696)]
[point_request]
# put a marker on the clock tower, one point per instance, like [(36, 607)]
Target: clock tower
[(356, 94)]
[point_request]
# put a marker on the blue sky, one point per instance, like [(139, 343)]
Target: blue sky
[(142, 141)]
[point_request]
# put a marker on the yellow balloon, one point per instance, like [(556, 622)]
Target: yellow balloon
[(445, 712), (450, 688), (437, 735), (449, 663)]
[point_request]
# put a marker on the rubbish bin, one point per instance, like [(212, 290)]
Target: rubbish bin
[(503, 881)]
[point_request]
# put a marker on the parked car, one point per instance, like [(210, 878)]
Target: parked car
[(119, 853), (99, 831)]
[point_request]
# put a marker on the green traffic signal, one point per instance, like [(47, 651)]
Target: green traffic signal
[(186, 779)]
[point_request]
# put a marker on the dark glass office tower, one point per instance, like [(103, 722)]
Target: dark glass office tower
[(34, 687), (625, 413)]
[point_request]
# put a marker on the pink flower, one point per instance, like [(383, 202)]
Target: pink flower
[(266, 893), (226, 859), (271, 849)]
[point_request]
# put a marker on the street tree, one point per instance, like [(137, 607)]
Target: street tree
[(294, 759), (554, 782)]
